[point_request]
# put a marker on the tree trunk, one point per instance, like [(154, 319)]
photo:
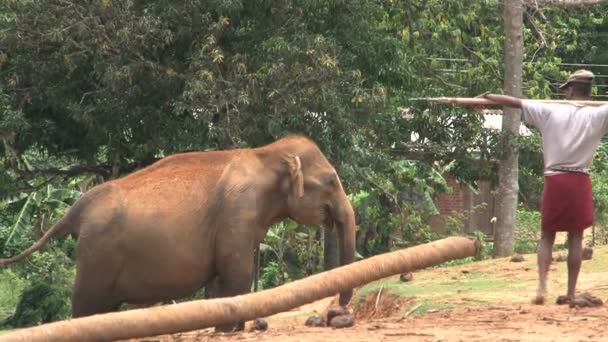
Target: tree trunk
[(508, 168), (202, 314)]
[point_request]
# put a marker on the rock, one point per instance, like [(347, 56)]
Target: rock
[(405, 277), (342, 321), (517, 258), (336, 311), (587, 253), (315, 321), (260, 324)]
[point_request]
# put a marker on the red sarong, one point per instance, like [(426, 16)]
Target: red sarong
[(567, 202)]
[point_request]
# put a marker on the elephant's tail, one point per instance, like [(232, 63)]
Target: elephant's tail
[(68, 224)]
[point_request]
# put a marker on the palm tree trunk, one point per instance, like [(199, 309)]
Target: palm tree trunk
[(201, 314)]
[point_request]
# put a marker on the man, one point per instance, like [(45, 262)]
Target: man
[(571, 134)]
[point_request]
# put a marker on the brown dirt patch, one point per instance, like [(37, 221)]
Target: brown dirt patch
[(380, 304), (500, 322)]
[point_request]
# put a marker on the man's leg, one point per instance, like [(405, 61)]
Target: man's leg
[(545, 249), (575, 257), (575, 252)]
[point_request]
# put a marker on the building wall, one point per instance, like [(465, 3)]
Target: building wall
[(478, 209)]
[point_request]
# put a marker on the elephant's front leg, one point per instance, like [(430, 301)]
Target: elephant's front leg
[(234, 277)]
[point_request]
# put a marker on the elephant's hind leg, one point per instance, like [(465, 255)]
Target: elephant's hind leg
[(93, 294)]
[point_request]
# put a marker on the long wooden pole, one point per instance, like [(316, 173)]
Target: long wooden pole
[(201, 314), (480, 101)]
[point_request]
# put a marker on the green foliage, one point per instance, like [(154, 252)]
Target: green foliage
[(39, 209), (10, 120), (36, 211), (45, 279), (272, 275), (527, 231), (531, 170), (46, 295), (599, 180), (289, 251), (39, 303), (11, 286)]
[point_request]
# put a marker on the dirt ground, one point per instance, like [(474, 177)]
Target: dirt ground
[(496, 322)]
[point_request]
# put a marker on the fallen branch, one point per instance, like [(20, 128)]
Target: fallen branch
[(480, 101), (200, 314)]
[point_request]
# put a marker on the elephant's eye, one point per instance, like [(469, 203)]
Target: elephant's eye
[(331, 179)]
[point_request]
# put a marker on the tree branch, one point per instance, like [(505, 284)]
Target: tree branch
[(474, 53)]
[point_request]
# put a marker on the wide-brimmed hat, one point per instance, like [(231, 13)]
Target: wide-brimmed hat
[(579, 76)]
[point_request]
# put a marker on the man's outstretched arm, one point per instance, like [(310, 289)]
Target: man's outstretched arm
[(504, 100)]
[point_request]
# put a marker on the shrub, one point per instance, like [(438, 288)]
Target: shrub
[(527, 231), (40, 303)]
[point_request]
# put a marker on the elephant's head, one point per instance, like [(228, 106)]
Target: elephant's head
[(314, 195)]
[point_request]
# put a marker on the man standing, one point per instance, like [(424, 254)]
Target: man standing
[(571, 134)]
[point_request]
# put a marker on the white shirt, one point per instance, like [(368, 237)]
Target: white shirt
[(571, 133)]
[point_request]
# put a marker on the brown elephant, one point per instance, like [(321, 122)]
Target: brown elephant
[(167, 230)]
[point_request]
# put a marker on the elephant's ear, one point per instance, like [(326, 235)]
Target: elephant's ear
[(295, 173)]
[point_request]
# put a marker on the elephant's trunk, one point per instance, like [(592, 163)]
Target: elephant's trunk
[(345, 223)]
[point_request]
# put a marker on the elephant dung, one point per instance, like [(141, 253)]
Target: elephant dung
[(405, 277), (342, 321), (260, 324), (517, 258), (561, 257), (336, 311), (587, 253), (315, 321)]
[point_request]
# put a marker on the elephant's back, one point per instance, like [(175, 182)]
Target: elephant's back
[(177, 177)]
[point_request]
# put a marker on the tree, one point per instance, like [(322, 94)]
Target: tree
[(508, 169)]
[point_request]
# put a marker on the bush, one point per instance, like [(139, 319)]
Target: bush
[(47, 295), (527, 231), (41, 303), (11, 287)]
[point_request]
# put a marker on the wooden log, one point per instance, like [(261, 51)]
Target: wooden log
[(200, 314), (480, 101)]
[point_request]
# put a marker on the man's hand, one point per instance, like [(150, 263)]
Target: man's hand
[(483, 94)]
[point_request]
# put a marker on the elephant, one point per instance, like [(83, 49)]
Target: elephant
[(195, 218)]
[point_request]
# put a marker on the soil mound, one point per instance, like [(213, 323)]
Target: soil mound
[(380, 304)]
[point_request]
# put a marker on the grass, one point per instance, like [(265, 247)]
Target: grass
[(489, 281)]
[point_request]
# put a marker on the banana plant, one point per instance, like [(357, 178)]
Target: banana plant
[(40, 209)]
